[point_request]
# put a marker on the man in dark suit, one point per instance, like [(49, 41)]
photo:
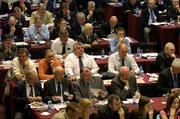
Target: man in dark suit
[(169, 78), (72, 5), (111, 26), (166, 57), (13, 29), (89, 40), (78, 24), (149, 15), (124, 85), (89, 86), (132, 6), (25, 92), (49, 5), (173, 11), (59, 88), (65, 13), (25, 6), (4, 8), (92, 15)]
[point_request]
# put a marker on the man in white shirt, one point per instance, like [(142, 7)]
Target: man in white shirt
[(63, 45), (75, 61), (121, 58)]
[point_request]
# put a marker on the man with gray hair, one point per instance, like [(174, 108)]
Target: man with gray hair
[(169, 78), (77, 26), (92, 15), (89, 39), (166, 57)]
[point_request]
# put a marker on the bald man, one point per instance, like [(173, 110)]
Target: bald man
[(166, 57), (59, 88), (111, 26), (83, 88), (125, 84), (89, 39), (121, 58)]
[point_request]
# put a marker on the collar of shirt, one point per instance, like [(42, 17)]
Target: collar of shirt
[(82, 56), (172, 72), (28, 88), (120, 59)]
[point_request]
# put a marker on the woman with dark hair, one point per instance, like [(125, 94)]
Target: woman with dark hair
[(145, 110), (172, 109)]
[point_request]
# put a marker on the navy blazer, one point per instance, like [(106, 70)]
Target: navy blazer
[(165, 81), (19, 94), (162, 61), (17, 4), (145, 17), (172, 13), (50, 89), (107, 28)]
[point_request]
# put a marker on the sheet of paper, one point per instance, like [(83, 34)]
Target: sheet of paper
[(100, 57), (95, 91), (21, 43), (125, 102), (3, 16), (45, 113), (102, 102), (107, 82), (59, 106), (140, 80)]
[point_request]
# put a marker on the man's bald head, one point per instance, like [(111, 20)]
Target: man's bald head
[(113, 21), (124, 72), (169, 49), (122, 49)]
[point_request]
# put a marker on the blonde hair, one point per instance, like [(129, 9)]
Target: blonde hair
[(84, 103)]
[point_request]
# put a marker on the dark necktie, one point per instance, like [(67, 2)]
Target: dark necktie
[(88, 39), (64, 49), (60, 88), (152, 16), (122, 61), (49, 70), (175, 81), (31, 91), (80, 64), (88, 85)]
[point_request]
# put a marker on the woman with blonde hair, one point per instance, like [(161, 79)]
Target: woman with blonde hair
[(86, 108)]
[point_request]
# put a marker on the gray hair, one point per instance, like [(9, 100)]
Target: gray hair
[(80, 15), (176, 63)]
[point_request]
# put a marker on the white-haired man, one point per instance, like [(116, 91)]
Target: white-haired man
[(166, 57), (89, 39), (169, 78)]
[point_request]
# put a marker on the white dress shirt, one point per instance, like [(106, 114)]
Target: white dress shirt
[(57, 46), (114, 63), (72, 64), (18, 69), (28, 90)]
